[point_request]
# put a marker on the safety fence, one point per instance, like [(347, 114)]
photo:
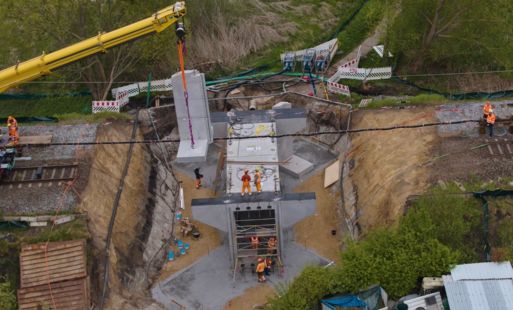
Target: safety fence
[(486, 215)]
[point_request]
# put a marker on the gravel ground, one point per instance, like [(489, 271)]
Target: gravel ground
[(64, 133), (46, 198)]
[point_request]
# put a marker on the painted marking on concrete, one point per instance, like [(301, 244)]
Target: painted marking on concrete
[(19, 185), (509, 148), (50, 184), (30, 185), (10, 186), (39, 184)]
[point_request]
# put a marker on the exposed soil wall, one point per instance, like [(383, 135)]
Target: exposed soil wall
[(383, 168), (98, 198)]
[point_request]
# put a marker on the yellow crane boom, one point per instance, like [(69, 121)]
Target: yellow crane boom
[(44, 64)]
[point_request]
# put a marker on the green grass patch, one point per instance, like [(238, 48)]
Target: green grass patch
[(423, 99), (72, 118), (51, 106), (362, 25)]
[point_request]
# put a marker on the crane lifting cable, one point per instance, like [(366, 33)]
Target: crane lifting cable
[(180, 32)]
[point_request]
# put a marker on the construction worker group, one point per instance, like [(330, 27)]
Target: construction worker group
[(246, 182), (489, 116)]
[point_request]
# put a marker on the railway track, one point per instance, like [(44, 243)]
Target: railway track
[(47, 173), (499, 147)]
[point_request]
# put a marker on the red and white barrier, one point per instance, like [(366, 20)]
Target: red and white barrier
[(106, 106), (339, 89)]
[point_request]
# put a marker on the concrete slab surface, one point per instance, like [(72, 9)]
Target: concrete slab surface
[(297, 166), (209, 284), (316, 154)]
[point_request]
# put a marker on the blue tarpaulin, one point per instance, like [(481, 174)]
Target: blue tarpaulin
[(343, 301)]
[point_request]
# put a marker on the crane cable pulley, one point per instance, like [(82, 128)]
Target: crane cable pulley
[(180, 33)]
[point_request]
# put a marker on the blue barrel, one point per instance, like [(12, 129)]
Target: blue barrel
[(179, 243), (178, 216), (182, 251), (186, 246), (170, 255)]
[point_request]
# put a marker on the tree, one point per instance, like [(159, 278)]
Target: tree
[(305, 291), (47, 25), (394, 260), (453, 35), (453, 220)]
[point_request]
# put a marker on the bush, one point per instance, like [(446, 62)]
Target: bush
[(7, 297), (305, 291)]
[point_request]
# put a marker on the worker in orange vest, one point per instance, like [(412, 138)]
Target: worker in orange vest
[(258, 180), (254, 242), (271, 245), (246, 179), (486, 109), (12, 125), (199, 176), (260, 268), (490, 121)]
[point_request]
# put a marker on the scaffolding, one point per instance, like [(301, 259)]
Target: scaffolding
[(252, 237)]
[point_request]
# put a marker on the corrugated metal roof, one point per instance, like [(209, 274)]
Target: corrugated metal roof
[(477, 271), (483, 286)]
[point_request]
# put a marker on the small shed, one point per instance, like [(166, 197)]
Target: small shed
[(54, 274)]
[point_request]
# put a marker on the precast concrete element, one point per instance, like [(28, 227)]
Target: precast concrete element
[(282, 210), (193, 116)]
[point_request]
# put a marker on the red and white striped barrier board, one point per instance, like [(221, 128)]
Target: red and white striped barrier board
[(105, 106), (338, 89)]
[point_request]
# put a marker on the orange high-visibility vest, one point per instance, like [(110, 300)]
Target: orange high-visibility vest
[(490, 119), (486, 109), (260, 267)]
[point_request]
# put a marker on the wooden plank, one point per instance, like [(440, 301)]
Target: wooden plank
[(66, 295), (64, 219), (53, 256), (43, 139), (56, 262), (40, 249), (53, 245), (332, 174), (38, 224), (69, 274), (58, 270)]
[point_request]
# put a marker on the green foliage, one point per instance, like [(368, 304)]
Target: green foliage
[(395, 260), (70, 118), (7, 296), (423, 99), (453, 220), (51, 106), (452, 35), (304, 292), (362, 25), (440, 229)]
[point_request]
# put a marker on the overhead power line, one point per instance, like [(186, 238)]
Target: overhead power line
[(310, 134)]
